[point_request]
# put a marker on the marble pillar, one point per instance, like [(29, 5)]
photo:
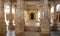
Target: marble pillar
[(19, 18), (10, 17), (45, 25), (55, 19), (2, 18), (49, 14)]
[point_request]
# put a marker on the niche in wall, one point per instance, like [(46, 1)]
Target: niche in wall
[(32, 16)]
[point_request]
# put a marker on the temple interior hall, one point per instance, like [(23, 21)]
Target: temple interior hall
[(29, 17)]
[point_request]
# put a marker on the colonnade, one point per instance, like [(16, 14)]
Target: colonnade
[(19, 18)]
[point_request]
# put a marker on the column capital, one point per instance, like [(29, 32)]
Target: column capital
[(49, 6), (55, 4), (55, 7)]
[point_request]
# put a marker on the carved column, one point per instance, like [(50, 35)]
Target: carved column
[(41, 15), (19, 18), (10, 17), (2, 19), (45, 26), (55, 19), (49, 13), (49, 16)]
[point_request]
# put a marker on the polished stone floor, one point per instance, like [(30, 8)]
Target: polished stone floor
[(12, 33)]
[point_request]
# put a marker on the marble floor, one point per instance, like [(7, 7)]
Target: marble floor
[(12, 33)]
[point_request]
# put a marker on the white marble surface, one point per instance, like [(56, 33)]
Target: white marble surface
[(12, 33)]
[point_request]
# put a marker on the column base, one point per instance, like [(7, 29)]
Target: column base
[(20, 34), (45, 34), (54, 28), (3, 30), (11, 27), (3, 26), (2, 34)]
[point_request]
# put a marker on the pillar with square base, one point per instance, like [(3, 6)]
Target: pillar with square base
[(19, 18), (2, 18), (55, 28), (11, 26), (11, 16), (45, 22)]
